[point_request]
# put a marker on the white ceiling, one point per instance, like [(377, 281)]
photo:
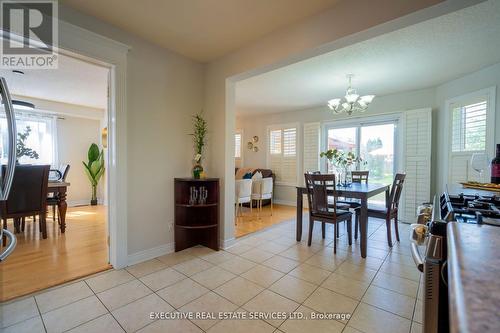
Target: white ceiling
[(201, 29), (74, 82), (420, 56)]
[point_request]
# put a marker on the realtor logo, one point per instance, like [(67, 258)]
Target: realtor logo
[(29, 34)]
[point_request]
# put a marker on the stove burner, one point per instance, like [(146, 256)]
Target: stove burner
[(472, 208)]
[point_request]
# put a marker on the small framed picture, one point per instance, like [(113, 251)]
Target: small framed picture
[(255, 139), (255, 149), (249, 145)]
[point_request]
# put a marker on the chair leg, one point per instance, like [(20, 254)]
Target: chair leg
[(323, 229), (34, 218), (16, 225), (4, 238), (349, 230), (271, 205), (260, 207), (54, 213), (251, 207), (335, 231), (356, 225), (388, 225), (23, 223), (43, 225), (309, 238), (396, 230)]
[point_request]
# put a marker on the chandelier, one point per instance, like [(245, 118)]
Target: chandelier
[(351, 101)]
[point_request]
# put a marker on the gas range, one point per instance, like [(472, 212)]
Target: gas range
[(471, 208)]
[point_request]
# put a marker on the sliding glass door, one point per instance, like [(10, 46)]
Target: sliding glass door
[(344, 139), (374, 142)]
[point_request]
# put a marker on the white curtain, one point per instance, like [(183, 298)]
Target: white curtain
[(42, 138)]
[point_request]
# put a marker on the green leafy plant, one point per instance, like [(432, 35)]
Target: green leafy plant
[(199, 135), (21, 149), (94, 169), (340, 158)]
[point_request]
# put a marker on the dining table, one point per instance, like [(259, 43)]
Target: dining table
[(59, 189), (360, 191)]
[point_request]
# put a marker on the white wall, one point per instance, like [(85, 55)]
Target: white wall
[(74, 136), (163, 90), (257, 125)]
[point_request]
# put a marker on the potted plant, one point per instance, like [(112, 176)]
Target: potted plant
[(94, 169), (199, 137), (21, 149), (343, 161)]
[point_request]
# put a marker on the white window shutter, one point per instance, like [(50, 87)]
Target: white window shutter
[(417, 145), (282, 153), (311, 147)]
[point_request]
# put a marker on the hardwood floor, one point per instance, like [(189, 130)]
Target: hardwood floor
[(39, 263), (250, 222)]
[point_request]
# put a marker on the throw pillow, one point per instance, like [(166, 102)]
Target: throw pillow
[(257, 175), (247, 175)]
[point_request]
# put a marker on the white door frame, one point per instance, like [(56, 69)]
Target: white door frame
[(85, 45)]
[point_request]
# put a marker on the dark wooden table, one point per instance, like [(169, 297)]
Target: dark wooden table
[(59, 189), (356, 191)]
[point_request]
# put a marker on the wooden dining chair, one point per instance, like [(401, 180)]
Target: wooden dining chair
[(320, 209), (357, 177), (390, 211), (27, 197), (59, 174)]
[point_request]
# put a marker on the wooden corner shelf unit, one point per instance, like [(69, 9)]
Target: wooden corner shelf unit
[(196, 223)]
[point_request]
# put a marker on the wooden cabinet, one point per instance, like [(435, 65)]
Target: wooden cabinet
[(196, 220)]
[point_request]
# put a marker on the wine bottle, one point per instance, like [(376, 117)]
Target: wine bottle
[(495, 167)]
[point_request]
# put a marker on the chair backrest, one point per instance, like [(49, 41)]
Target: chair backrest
[(64, 170), (318, 186), (28, 194), (243, 188), (360, 176), (396, 190)]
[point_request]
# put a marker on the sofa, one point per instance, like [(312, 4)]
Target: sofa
[(266, 173)]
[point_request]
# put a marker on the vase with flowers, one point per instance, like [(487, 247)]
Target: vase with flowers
[(199, 140), (343, 161)]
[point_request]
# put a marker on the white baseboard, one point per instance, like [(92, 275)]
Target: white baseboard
[(285, 202), (225, 244), (148, 254)]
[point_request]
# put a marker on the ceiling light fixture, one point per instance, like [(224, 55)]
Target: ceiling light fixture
[(351, 101), (22, 105)]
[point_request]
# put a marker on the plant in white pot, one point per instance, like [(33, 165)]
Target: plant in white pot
[(94, 169)]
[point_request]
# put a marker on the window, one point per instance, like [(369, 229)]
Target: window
[(41, 139), (471, 130), (373, 142), (469, 127), (275, 142), (282, 153), (237, 145)]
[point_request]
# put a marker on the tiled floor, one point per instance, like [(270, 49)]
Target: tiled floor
[(265, 272)]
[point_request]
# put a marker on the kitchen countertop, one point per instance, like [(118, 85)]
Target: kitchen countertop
[(474, 278)]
